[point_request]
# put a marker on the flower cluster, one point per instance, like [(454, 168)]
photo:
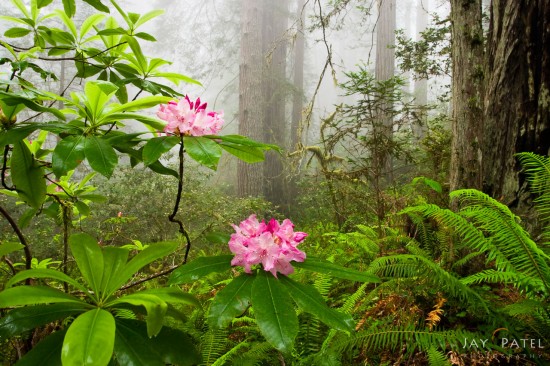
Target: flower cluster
[(189, 118), (272, 244)]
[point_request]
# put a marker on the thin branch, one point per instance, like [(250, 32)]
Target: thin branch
[(80, 59), (10, 264), (156, 275), (172, 217), (20, 236)]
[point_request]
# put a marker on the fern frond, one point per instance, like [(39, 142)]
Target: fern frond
[(519, 280), (525, 307), (437, 358), (256, 355), (537, 170), (323, 283), (506, 234), (468, 257), (213, 345), (411, 266), (222, 360)]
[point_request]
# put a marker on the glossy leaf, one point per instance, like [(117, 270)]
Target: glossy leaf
[(43, 3), (321, 266), (98, 5), (69, 7), (176, 78), (101, 156), (155, 147), (27, 318), (90, 339), (98, 94), (248, 154), (141, 103), (9, 247), (173, 295), (30, 295), (27, 177), (44, 273), (132, 346), (16, 32), (311, 301), (14, 99), (155, 307), (172, 346), (274, 311), (89, 259), (68, 154), (114, 260), (150, 254), (231, 301), (46, 352), (204, 151), (200, 267)]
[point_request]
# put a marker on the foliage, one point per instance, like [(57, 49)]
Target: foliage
[(97, 331)]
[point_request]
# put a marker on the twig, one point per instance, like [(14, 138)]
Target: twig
[(172, 217), (156, 275), (20, 236)]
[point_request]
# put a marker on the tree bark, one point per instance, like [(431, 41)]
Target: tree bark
[(249, 176), (274, 79), (298, 80), (467, 94), (421, 84), (517, 101), (384, 70)]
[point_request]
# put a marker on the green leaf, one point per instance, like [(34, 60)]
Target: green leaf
[(42, 3), (274, 312), (173, 295), (30, 295), (89, 23), (83, 209), (176, 78), (89, 340), (132, 347), (44, 273), (204, 151), (114, 260), (155, 147), (143, 258), (26, 218), (89, 259), (27, 318), (145, 36), (248, 154), (16, 32), (46, 352), (70, 7), (98, 5), (142, 103), (157, 167), (311, 301), (155, 307), (101, 156), (172, 346), (215, 237), (27, 177), (67, 155), (321, 266), (98, 93), (14, 99), (200, 267), (231, 301), (148, 16), (10, 247)]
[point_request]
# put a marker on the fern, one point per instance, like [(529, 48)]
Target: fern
[(230, 354), (537, 170), (519, 280), (213, 345), (437, 358), (412, 266), (506, 234)]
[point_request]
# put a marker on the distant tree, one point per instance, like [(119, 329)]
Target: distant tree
[(385, 70), (275, 90), (421, 83), (250, 177)]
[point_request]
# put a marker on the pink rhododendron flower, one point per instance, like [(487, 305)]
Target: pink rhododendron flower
[(272, 244), (189, 118)]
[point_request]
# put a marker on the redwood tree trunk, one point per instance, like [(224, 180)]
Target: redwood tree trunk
[(517, 102), (467, 90), (274, 79), (249, 176)]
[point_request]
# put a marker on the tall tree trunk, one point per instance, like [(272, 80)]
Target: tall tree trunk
[(249, 176), (274, 77), (467, 94), (384, 70), (421, 84), (298, 80), (517, 102)]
